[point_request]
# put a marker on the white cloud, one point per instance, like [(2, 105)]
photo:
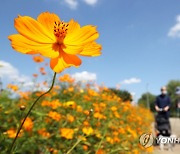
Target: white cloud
[(72, 3), (90, 2), (131, 81), (9, 72), (175, 30), (84, 76), (133, 94)]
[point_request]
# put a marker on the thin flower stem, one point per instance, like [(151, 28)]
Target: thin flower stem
[(12, 145), (100, 143), (78, 141)]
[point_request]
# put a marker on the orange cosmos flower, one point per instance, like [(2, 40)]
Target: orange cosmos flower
[(38, 59), (35, 75), (60, 41), (54, 115), (67, 133), (43, 132), (12, 133), (28, 125), (12, 87)]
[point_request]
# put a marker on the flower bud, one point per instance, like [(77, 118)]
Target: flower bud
[(22, 107)]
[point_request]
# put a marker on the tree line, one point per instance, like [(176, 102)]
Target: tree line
[(147, 100)]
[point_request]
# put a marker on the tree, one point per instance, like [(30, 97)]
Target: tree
[(123, 94), (171, 88), (147, 98)]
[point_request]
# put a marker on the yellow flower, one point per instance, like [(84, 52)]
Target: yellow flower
[(71, 104), (60, 41), (88, 130), (110, 140), (67, 133), (70, 118), (114, 108)]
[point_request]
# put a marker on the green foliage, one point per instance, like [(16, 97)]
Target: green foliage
[(147, 100), (171, 87), (123, 94)]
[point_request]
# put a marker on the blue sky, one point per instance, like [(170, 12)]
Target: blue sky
[(140, 39)]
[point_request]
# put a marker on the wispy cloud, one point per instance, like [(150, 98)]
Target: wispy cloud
[(131, 81), (72, 3), (91, 2), (84, 76), (175, 30), (9, 72)]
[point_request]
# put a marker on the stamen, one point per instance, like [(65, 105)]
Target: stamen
[(60, 30)]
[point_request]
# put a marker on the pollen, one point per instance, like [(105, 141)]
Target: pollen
[(60, 29)]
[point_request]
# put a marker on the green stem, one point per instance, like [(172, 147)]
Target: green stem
[(100, 143), (12, 145), (78, 141)]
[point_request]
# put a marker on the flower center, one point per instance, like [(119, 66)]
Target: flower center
[(60, 30)]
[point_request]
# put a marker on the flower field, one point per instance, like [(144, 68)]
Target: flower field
[(73, 118), (65, 116)]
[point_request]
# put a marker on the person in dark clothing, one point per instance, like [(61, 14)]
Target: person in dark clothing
[(162, 106), (162, 103)]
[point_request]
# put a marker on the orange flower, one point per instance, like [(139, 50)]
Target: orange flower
[(66, 78), (28, 125), (85, 147), (12, 87), (12, 133), (38, 59), (35, 75), (44, 133), (79, 108), (54, 115), (67, 133), (60, 41), (42, 70), (70, 118), (100, 151), (24, 95)]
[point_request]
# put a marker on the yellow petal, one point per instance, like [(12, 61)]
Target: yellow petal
[(74, 42), (73, 26), (33, 30), (48, 20), (26, 46), (91, 49), (64, 61)]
